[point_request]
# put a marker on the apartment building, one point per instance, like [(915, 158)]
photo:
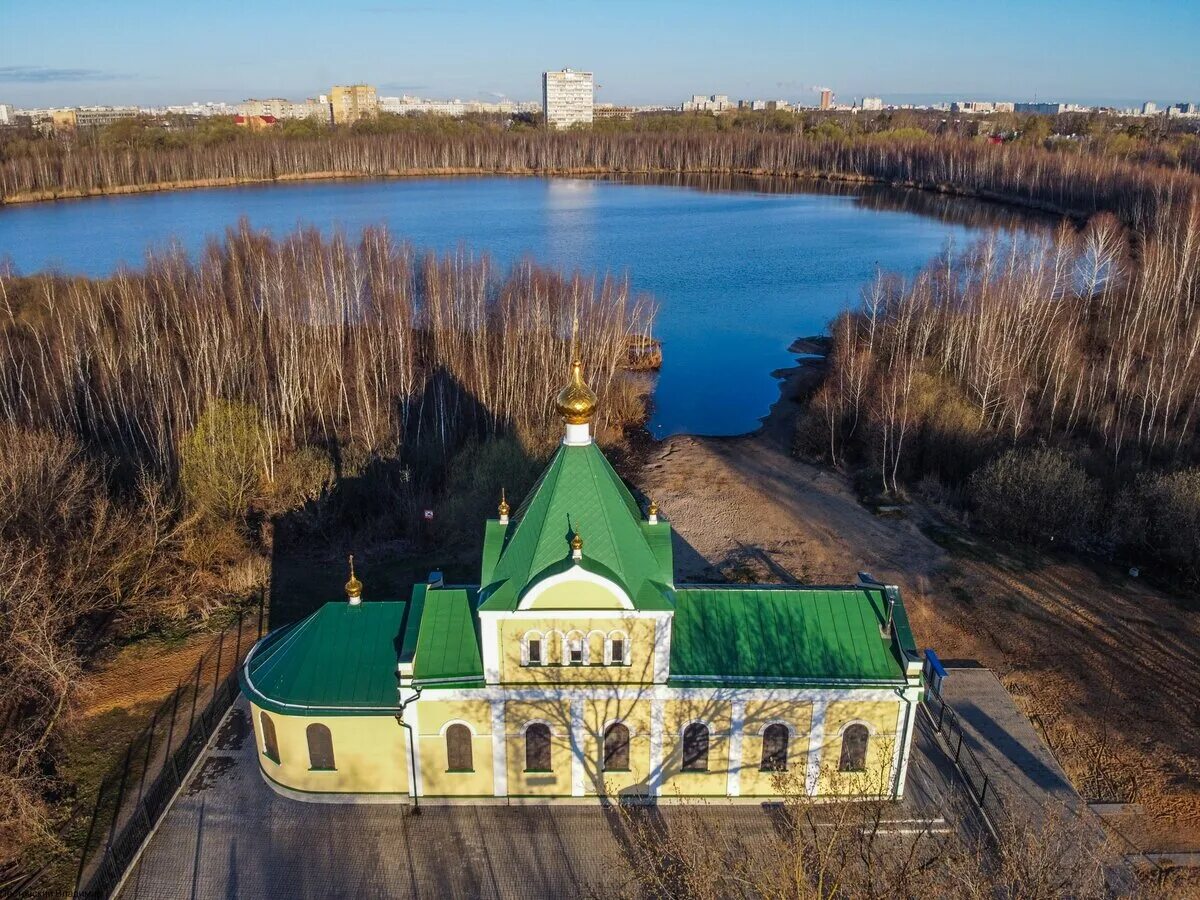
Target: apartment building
[(352, 102), (278, 108), (568, 98)]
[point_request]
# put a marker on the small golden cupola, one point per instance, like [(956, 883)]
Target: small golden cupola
[(577, 546), (354, 587), (576, 403), (503, 508), (652, 513)]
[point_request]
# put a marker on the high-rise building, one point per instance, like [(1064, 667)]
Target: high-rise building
[(872, 104), (1149, 108), (826, 98), (568, 98), (352, 102), (7, 114)]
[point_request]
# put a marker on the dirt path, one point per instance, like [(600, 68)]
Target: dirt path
[(1107, 666)]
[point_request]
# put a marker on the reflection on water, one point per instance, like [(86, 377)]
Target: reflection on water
[(740, 266), (951, 208)]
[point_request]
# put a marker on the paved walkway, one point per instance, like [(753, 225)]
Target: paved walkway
[(229, 835)]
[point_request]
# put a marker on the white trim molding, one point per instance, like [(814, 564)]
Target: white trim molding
[(578, 747), (446, 727), (657, 722)]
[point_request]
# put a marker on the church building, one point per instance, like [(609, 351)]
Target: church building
[(577, 669)]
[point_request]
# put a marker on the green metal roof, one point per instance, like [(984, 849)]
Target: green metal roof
[(578, 491), (448, 644), (782, 635), (341, 660)]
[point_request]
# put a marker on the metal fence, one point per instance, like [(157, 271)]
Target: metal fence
[(138, 791), (945, 720)]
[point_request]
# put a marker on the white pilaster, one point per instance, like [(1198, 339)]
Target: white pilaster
[(412, 716), (657, 717), (662, 648), (578, 747), (499, 750), (816, 741), (737, 723), (906, 721)]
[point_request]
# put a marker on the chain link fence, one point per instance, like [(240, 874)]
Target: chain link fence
[(138, 791)]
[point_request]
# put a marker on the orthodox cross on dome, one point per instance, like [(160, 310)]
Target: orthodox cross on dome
[(576, 403)]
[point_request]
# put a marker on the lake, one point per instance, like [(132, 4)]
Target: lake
[(740, 267)]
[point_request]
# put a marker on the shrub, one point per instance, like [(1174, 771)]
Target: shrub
[(1158, 518), (221, 461), (477, 473), (1039, 495)]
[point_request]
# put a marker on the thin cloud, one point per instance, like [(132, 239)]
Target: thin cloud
[(398, 86), (45, 74)]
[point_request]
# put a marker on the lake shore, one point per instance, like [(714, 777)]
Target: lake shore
[(952, 190)]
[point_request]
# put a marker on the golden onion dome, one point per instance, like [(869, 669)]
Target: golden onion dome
[(503, 508), (576, 402), (354, 587), (653, 510), (577, 542)]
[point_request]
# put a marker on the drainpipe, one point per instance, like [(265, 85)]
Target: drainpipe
[(412, 750)]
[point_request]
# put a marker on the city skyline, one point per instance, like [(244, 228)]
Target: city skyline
[(134, 52)]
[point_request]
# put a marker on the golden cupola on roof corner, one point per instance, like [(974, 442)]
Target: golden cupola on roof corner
[(354, 587), (576, 402)]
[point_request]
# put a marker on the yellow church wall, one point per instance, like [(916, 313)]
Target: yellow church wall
[(676, 716), (635, 715), (518, 714), (798, 717), (368, 753), (639, 632), (576, 595), (436, 778), (880, 719)]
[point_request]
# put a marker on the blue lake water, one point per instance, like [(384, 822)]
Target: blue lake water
[(739, 268)]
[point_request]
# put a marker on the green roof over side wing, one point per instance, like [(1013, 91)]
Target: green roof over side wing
[(578, 491), (341, 660), (782, 636), (447, 651)]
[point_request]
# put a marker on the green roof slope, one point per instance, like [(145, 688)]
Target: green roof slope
[(447, 652), (771, 636), (578, 491), (341, 660)]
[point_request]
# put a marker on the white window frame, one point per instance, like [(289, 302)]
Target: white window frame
[(533, 635), (621, 635)]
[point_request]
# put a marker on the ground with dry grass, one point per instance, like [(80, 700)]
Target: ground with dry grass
[(1105, 664)]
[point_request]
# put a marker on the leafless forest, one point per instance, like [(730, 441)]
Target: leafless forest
[(1080, 184), (1055, 380)]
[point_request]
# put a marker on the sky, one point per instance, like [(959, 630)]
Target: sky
[(54, 52)]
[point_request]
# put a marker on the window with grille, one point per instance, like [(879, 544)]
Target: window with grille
[(320, 746), (695, 748), (774, 748), (458, 749), (616, 748), (537, 748)]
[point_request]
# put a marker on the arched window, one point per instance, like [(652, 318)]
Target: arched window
[(458, 749), (320, 746), (695, 748), (270, 744), (616, 748), (774, 748), (854, 749), (537, 748)]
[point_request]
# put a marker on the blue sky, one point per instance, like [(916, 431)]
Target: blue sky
[(135, 51)]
